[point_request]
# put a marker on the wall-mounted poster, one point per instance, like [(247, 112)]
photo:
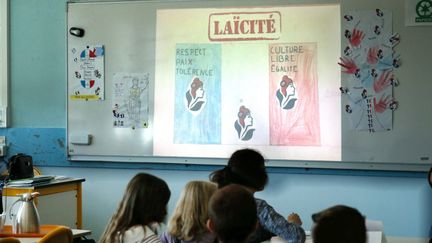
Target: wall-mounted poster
[(130, 100), (367, 65), (418, 12), (88, 78)]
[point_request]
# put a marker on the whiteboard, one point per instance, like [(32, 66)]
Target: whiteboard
[(127, 31)]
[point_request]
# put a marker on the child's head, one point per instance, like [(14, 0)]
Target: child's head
[(191, 213), (339, 224), (245, 167), (232, 214), (143, 202)]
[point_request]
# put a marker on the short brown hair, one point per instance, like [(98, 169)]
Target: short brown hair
[(233, 213), (339, 224)]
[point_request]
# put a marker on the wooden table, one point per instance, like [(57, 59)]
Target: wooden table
[(75, 232), (59, 202)]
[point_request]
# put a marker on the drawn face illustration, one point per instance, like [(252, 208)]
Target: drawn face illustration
[(379, 12), (290, 89), (394, 39), (244, 124), (347, 34), (287, 86), (348, 17), (200, 92), (244, 116), (377, 30), (248, 120), (195, 98), (347, 51), (197, 88), (357, 73), (380, 54)]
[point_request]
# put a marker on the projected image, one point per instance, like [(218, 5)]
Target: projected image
[(195, 96), (239, 77), (244, 124), (286, 93), (295, 115)]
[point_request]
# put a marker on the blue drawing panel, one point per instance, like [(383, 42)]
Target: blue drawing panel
[(197, 118)]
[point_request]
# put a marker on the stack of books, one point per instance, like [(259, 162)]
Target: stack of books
[(29, 182)]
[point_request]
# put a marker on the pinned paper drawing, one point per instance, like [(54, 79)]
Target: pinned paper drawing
[(87, 82), (367, 66), (131, 100)]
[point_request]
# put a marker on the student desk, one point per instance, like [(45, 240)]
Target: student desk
[(59, 202)]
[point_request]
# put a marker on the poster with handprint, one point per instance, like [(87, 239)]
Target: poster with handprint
[(368, 63)]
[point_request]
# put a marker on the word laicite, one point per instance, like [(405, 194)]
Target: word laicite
[(245, 26)]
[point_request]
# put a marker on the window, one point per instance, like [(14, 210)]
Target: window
[(4, 60)]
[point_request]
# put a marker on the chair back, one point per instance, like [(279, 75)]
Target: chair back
[(61, 234), (9, 240)]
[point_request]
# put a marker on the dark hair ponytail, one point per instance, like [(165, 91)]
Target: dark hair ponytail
[(221, 177), (245, 167)]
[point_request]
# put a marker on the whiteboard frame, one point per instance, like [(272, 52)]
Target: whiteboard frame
[(379, 166), (421, 164)]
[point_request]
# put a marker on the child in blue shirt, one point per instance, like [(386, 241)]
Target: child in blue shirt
[(246, 167)]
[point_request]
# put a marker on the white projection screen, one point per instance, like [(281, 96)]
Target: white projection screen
[(259, 77)]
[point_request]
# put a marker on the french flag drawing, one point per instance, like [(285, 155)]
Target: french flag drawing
[(88, 53), (88, 84)]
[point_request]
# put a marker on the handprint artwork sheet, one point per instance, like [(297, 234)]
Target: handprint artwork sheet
[(367, 67)]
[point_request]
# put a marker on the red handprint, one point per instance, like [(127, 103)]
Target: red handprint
[(383, 81), (348, 64), (372, 56), (381, 106), (356, 37)]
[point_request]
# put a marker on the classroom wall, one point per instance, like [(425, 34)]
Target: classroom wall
[(403, 204), (38, 117)]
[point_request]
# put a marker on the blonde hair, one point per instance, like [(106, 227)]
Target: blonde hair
[(191, 212)]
